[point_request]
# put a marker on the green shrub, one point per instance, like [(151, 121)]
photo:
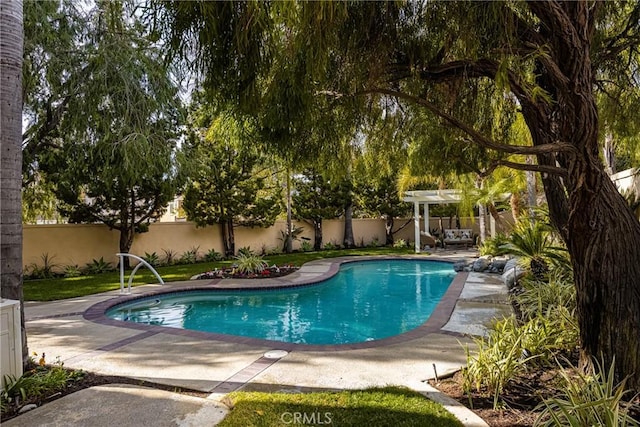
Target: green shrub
[(250, 264), (190, 256), (535, 243), (331, 246), (306, 246), (212, 256), (272, 251), (45, 270), (71, 270), (400, 243), (246, 250), (510, 349), (295, 235), (151, 258), (494, 245), (499, 358), (36, 383), (98, 266), (170, 256), (547, 337), (588, 400), (543, 297)]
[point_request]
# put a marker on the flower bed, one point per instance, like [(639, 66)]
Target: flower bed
[(233, 273)]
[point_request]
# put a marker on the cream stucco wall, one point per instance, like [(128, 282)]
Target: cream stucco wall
[(79, 244)]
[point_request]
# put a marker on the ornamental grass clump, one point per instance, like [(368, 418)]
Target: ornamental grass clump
[(249, 263), (498, 359), (588, 400), (546, 330)]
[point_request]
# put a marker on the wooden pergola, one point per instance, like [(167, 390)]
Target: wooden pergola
[(426, 198)]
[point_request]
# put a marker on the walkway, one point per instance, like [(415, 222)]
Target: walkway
[(207, 363)]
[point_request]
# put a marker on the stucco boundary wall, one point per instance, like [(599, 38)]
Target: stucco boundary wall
[(79, 244)]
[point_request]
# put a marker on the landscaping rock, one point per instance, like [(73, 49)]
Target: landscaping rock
[(510, 264), (459, 266), (481, 264), (499, 263), (512, 274), (27, 408)]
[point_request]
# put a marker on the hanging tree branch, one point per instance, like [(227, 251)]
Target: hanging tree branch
[(553, 170), (478, 138)]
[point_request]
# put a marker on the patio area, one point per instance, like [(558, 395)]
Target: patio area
[(216, 365)]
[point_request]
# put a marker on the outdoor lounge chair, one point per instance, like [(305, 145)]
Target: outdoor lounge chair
[(458, 236)]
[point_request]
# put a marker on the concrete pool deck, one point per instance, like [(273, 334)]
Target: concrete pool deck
[(220, 364)]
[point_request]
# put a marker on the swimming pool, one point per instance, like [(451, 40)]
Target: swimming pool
[(365, 301)]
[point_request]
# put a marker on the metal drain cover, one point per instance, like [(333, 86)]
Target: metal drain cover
[(275, 354)]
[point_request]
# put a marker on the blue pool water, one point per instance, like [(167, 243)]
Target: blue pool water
[(365, 301)]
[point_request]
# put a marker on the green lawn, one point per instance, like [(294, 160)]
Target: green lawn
[(61, 288), (388, 406)]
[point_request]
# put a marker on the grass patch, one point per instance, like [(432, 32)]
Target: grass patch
[(70, 287), (387, 406)]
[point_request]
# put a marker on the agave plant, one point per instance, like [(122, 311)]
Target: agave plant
[(533, 241)]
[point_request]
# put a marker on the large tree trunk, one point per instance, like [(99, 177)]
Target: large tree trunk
[(288, 243), (388, 229), (515, 205), (532, 197), (602, 235), (348, 242), (317, 234), (482, 223), (126, 241), (126, 229), (11, 40), (604, 243), (230, 247), (609, 154)]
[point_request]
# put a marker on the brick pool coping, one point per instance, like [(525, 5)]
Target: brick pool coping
[(307, 275)]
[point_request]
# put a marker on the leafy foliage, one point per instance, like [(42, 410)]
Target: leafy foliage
[(71, 270), (170, 256), (190, 256), (548, 330), (533, 241), (151, 258), (545, 298), (511, 349), (494, 246), (212, 255), (316, 198), (98, 266), (294, 236), (400, 243), (250, 263), (588, 400), (117, 163), (229, 183), (36, 383), (44, 270)]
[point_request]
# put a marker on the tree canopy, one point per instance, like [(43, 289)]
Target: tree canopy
[(462, 62), (114, 156), (230, 180)]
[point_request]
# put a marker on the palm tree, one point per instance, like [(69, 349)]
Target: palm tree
[(534, 242), (11, 36)]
